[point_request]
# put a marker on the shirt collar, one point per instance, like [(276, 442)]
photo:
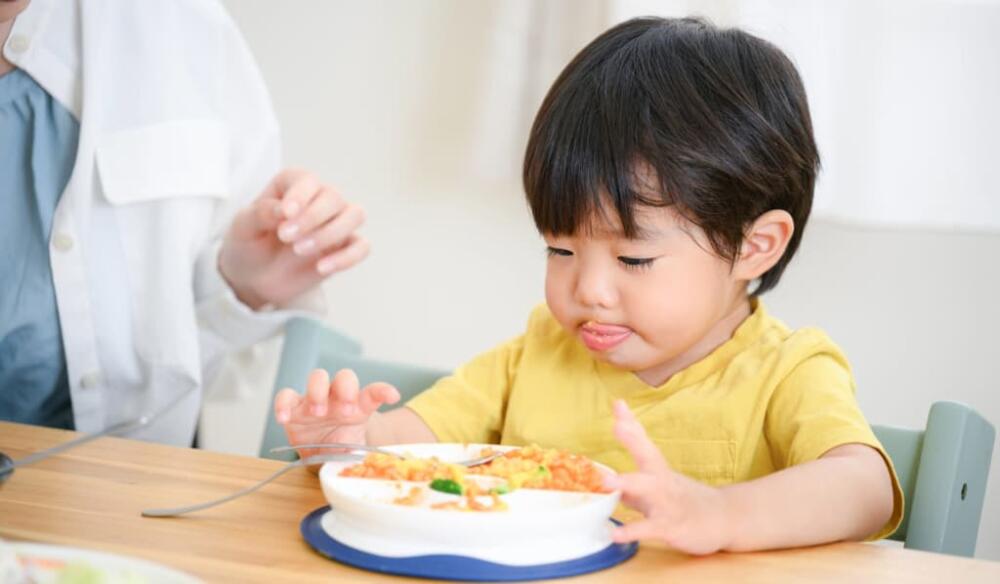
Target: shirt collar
[(45, 43)]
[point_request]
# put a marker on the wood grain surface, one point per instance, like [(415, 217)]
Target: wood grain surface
[(91, 497)]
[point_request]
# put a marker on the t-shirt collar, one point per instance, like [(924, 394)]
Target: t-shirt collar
[(626, 384)]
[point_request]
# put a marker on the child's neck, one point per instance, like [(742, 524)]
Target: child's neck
[(721, 332)]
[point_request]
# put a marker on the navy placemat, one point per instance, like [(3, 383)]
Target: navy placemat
[(448, 567)]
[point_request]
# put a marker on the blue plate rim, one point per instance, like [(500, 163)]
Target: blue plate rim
[(453, 567)]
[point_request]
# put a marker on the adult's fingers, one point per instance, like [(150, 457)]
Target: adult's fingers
[(269, 209), (293, 187), (334, 233), (355, 250), (325, 207), (294, 201), (633, 436), (376, 394), (261, 216)]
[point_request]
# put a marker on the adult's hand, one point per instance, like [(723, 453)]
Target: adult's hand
[(294, 235)]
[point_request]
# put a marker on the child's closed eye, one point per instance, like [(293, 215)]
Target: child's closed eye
[(556, 251), (636, 263)]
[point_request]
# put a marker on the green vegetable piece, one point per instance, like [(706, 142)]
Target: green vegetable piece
[(447, 486), (501, 490)]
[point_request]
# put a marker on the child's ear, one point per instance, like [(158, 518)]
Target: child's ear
[(764, 244)]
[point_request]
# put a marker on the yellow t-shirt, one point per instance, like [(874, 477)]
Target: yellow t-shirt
[(767, 399)]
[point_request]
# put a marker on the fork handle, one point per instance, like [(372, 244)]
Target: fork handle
[(343, 445), (174, 511), (120, 428), (43, 454)]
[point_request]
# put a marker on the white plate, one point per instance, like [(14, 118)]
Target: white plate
[(111, 567), (539, 526)]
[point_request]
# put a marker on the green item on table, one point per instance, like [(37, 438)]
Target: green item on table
[(84, 573)]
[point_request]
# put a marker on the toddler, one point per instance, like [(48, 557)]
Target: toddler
[(670, 170)]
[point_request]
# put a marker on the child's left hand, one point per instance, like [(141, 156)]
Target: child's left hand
[(686, 515)]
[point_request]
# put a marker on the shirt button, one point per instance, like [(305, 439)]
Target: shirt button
[(62, 242), (19, 43), (90, 380)]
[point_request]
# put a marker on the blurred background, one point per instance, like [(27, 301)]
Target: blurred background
[(420, 111)]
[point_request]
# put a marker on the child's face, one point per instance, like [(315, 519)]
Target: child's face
[(652, 305)]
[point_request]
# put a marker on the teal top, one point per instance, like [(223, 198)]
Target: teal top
[(36, 158)]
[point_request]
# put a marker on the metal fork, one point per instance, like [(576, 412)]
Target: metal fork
[(479, 460), (7, 468), (307, 461), (337, 445)]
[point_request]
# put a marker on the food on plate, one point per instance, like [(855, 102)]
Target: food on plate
[(17, 568), (530, 467), (533, 467)]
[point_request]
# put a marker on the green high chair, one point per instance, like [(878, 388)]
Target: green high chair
[(943, 470), (309, 344)]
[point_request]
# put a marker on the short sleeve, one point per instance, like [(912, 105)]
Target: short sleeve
[(813, 410), (469, 405)]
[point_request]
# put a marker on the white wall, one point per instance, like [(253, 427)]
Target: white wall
[(380, 98)]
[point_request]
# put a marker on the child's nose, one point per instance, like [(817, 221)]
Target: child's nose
[(594, 288)]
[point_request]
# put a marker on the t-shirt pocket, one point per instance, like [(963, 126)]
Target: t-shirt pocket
[(709, 461)]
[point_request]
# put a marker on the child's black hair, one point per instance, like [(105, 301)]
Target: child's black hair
[(718, 115)]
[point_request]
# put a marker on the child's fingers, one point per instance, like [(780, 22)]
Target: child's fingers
[(610, 479), (635, 531), (317, 392), (375, 395), (286, 401), (633, 436), (344, 390), (639, 490)]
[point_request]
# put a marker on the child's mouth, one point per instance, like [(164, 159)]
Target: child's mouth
[(603, 337)]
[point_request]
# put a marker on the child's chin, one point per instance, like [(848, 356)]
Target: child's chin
[(614, 358)]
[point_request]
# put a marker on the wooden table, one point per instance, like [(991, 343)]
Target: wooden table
[(90, 497)]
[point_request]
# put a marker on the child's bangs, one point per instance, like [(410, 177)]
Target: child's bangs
[(576, 176), (591, 157)]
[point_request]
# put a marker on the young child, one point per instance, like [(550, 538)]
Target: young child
[(671, 171)]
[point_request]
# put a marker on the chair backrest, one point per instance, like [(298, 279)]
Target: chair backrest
[(310, 344), (943, 471)]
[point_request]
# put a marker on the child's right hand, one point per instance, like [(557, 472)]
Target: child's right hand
[(330, 411)]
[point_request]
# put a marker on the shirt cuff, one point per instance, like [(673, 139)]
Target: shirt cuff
[(221, 311)]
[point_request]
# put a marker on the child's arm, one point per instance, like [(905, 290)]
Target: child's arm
[(339, 411), (844, 495)]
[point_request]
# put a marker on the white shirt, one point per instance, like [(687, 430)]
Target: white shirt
[(177, 133)]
